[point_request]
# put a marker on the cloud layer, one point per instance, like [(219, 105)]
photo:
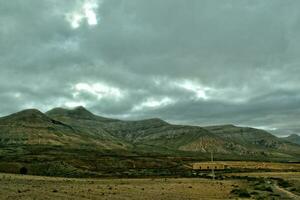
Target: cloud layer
[(198, 62)]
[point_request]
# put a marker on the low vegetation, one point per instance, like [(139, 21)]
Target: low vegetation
[(31, 187)]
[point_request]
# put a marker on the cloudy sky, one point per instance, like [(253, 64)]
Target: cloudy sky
[(199, 62)]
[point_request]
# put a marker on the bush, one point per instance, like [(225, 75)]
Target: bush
[(283, 183), (243, 193), (263, 188), (23, 170)]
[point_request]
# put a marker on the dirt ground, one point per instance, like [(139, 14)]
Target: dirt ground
[(285, 175), (291, 177), (33, 187), (256, 165)]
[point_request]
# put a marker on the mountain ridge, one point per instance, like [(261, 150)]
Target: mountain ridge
[(293, 138), (76, 142), (84, 127)]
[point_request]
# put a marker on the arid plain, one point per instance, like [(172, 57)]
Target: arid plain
[(263, 185)]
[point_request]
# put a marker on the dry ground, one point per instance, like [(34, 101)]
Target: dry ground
[(284, 175), (291, 177), (258, 165), (33, 187)]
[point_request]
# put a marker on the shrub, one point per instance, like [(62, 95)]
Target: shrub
[(263, 188), (23, 170), (283, 183), (241, 193)]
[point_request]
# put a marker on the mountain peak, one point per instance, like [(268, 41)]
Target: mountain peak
[(157, 120), (82, 112), (293, 138), (28, 115), (77, 112), (30, 112), (80, 109)]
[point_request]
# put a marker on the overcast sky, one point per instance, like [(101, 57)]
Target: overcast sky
[(199, 62)]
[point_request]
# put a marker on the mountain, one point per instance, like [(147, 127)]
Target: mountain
[(154, 133), (75, 141), (246, 136), (88, 124), (293, 138), (34, 127), (79, 126), (79, 113), (158, 133), (254, 139)]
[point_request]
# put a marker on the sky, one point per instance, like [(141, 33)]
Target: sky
[(197, 62)]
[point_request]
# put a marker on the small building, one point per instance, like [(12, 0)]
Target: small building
[(208, 166)]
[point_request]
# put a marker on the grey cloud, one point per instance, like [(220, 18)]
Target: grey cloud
[(245, 51)]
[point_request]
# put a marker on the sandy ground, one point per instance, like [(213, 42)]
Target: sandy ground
[(33, 187)]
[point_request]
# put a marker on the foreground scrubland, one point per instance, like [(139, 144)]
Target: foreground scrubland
[(264, 185)]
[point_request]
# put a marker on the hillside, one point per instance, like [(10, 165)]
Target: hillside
[(157, 134), (32, 127), (76, 142), (88, 124), (294, 138), (254, 139)]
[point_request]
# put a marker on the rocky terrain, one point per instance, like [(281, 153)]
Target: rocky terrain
[(76, 142), (293, 139)]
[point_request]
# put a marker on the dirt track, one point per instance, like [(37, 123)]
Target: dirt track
[(287, 193)]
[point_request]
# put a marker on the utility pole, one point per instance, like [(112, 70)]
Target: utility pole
[(212, 168)]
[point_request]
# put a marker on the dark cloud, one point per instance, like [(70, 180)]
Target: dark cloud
[(197, 62)]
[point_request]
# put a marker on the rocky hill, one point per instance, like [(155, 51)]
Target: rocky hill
[(36, 128), (76, 141), (294, 138)]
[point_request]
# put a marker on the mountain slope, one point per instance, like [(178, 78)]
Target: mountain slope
[(79, 113), (253, 139), (294, 138), (158, 133), (75, 142), (79, 126), (32, 127), (90, 125)]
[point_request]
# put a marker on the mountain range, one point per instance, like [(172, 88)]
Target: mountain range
[(74, 140), (293, 138)]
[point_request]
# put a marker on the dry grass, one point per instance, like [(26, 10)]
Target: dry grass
[(257, 165), (284, 175), (292, 177), (33, 187)]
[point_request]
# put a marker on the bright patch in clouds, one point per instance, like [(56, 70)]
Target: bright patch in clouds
[(267, 128), (86, 11), (199, 91), (100, 90), (73, 104), (153, 103)]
